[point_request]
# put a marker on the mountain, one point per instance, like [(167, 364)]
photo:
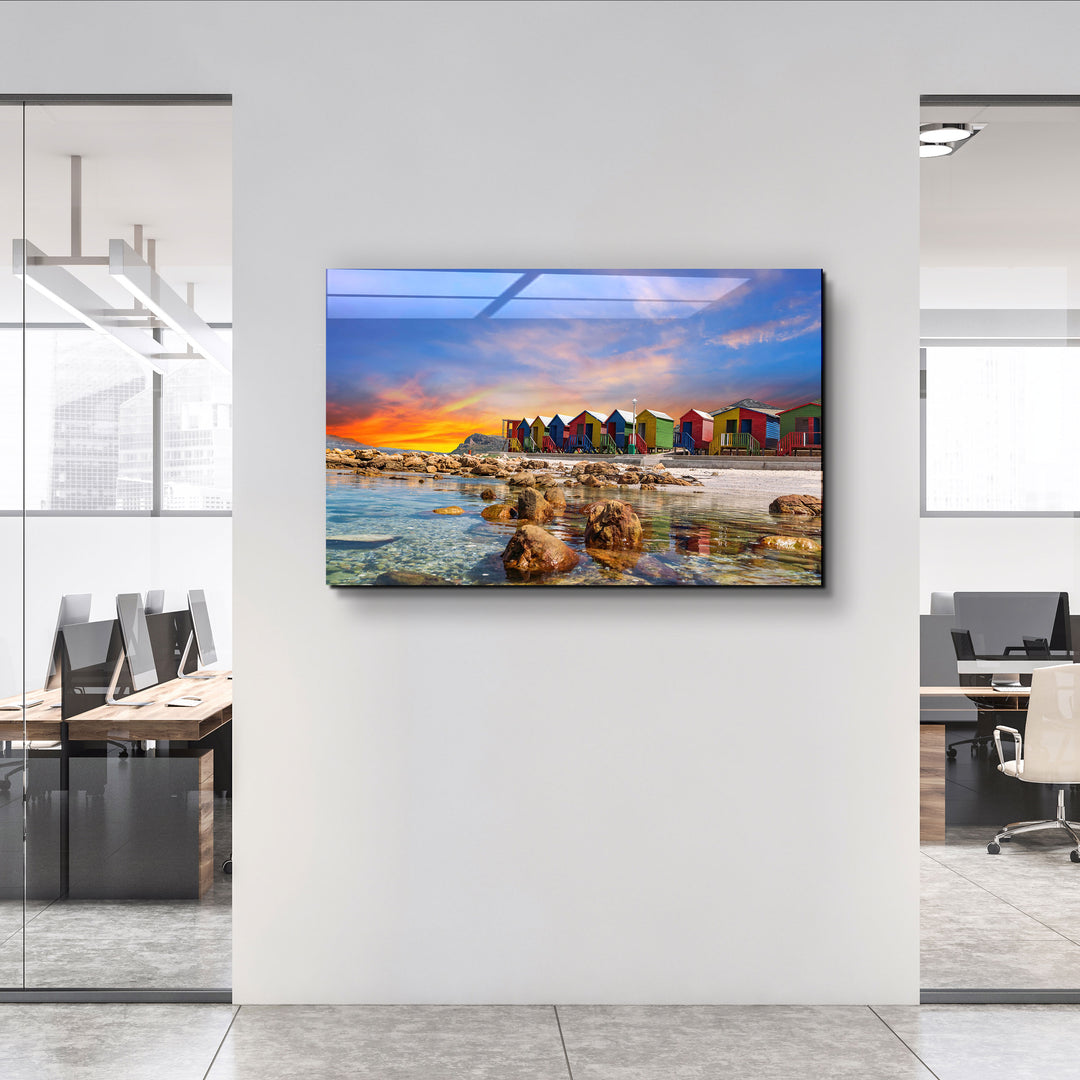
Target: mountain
[(336, 442), (480, 444)]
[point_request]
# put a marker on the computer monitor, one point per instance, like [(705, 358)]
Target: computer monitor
[(74, 608), (89, 653), (137, 653), (155, 601), (201, 635), (1015, 631)]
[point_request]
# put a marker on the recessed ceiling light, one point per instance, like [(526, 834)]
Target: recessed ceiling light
[(934, 149), (945, 133)]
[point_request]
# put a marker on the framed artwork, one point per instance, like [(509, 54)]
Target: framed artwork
[(561, 428)]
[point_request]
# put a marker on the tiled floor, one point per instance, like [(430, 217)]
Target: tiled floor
[(1008, 921), (161, 944), (218, 1042)]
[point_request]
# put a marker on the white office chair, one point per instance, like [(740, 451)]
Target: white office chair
[(1049, 750)]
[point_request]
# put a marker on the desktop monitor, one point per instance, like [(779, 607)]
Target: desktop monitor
[(74, 608), (1016, 631), (89, 655), (155, 601), (200, 622), (136, 637)]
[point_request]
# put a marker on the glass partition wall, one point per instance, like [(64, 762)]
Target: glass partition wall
[(115, 360), (1000, 297)]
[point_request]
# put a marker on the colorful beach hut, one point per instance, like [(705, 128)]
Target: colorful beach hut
[(560, 430), (524, 433), (539, 431), (695, 430), (800, 427), (585, 431), (657, 429), (747, 417), (510, 434), (618, 425)]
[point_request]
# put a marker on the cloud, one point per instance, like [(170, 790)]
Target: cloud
[(775, 330)]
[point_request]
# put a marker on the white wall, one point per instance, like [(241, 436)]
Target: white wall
[(466, 816), (105, 556), (971, 554)]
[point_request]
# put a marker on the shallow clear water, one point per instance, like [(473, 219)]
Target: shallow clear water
[(691, 537)]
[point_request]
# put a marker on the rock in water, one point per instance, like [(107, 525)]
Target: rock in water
[(533, 552), (805, 505), (555, 498), (532, 506), (619, 561), (407, 577), (487, 494), (359, 540), (790, 543), (501, 512), (448, 510), (612, 524)]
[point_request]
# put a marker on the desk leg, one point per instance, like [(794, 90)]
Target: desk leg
[(932, 783), (206, 821)]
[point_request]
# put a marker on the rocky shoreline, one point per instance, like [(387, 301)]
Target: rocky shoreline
[(613, 535), (527, 472)]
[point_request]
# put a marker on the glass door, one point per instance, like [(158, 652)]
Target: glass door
[(12, 754), (116, 830)]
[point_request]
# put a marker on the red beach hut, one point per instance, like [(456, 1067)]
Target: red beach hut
[(694, 430)]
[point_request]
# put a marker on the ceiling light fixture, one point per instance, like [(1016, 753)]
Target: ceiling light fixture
[(941, 140), (157, 306), (942, 133)]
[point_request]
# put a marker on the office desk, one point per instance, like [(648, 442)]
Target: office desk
[(149, 852), (158, 720), (932, 748), (42, 721)]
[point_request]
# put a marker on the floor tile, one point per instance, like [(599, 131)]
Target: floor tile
[(110, 1042), (759, 1042), (990, 1042), (153, 944), (391, 1042), (1001, 963)]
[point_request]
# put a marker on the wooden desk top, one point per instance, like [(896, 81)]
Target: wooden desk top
[(973, 691), (158, 720), (42, 721)]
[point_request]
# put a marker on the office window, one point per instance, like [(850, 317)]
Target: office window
[(999, 430), (10, 419), (197, 437), (89, 414)]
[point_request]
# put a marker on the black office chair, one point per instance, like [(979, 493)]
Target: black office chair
[(989, 713)]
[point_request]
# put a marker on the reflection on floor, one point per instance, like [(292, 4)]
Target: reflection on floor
[(162, 944), (540, 1042), (1008, 921)]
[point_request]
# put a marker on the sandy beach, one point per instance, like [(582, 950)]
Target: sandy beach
[(744, 489)]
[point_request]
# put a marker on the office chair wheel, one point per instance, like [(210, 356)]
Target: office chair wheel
[(951, 753), (992, 848), (1074, 855), (226, 866)]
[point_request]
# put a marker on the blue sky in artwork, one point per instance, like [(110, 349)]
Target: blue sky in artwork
[(679, 339)]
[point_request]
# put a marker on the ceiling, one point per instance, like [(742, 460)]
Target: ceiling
[(1007, 200), (168, 168)]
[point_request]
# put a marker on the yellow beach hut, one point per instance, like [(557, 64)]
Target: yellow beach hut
[(657, 429), (539, 426)]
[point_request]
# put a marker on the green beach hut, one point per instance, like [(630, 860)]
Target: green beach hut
[(800, 428), (657, 429)]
